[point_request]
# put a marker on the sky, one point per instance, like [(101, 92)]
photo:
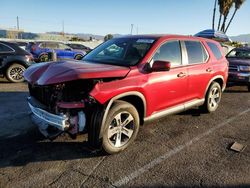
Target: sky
[(116, 16)]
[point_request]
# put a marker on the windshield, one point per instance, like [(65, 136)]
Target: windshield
[(239, 53), (121, 51)]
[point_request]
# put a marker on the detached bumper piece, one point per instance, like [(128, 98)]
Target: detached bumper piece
[(49, 124)]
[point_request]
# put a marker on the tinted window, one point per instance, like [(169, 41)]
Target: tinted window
[(214, 48), (196, 52), (169, 51), (239, 53), (63, 46), (4, 48), (51, 45)]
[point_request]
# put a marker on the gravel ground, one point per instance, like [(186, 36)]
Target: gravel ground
[(185, 150)]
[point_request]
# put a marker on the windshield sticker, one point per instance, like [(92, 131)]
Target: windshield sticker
[(149, 41)]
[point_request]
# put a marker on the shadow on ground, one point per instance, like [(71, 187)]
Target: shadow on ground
[(33, 147)]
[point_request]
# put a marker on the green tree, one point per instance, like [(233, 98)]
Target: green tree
[(224, 7), (221, 9), (237, 5), (108, 37)]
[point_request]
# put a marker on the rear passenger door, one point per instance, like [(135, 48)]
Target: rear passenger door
[(199, 69), (5, 51)]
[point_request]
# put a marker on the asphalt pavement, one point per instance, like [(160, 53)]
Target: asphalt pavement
[(190, 149)]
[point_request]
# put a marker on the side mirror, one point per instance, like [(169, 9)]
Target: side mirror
[(159, 66)]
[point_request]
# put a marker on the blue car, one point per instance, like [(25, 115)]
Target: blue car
[(42, 50)]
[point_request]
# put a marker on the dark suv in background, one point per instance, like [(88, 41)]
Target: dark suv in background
[(239, 66), (41, 50), (13, 61)]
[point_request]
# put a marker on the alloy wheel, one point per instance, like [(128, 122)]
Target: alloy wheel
[(214, 98), (121, 129)]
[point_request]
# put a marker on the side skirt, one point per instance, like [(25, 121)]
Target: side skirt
[(175, 109)]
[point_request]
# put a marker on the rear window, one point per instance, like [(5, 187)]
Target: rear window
[(4, 48), (196, 52), (216, 51)]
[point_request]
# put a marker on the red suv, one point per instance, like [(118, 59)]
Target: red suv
[(123, 83)]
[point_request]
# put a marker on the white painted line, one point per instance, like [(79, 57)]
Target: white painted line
[(124, 180)]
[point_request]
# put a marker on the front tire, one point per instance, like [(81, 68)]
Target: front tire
[(121, 127), (213, 98), (14, 73)]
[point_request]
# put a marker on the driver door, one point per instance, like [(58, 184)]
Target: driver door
[(168, 88)]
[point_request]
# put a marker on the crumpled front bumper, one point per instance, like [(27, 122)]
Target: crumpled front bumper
[(44, 119)]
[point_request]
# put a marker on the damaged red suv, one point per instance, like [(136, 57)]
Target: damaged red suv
[(122, 84)]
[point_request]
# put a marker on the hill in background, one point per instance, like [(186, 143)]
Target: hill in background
[(241, 38)]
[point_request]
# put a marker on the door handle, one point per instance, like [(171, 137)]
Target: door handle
[(181, 75), (209, 70)]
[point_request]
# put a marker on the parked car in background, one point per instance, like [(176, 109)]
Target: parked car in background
[(41, 50), (22, 44), (76, 46), (239, 66), (13, 61), (125, 82)]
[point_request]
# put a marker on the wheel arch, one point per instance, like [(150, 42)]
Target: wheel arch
[(135, 98), (219, 79), (12, 62)]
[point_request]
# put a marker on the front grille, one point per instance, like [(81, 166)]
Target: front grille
[(233, 68), (43, 94)]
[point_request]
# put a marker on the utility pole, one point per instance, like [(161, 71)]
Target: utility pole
[(137, 29), (17, 23), (132, 26)]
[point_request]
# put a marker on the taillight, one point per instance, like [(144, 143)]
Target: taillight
[(33, 48), (29, 57)]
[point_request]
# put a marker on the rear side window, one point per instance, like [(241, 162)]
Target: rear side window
[(196, 52), (51, 45), (170, 51), (4, 48), (216, 51)]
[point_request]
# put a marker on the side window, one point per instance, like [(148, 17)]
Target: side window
[(170, 51), (52, 45), (4, 48), (62, 46), (196, 52), (216, 51), (42, 45)]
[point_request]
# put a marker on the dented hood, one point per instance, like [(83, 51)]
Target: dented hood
[(58, 72)]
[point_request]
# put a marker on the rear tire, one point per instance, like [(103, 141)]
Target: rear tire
[(78, 57), (248, 87), (213, 98), (43, 58), (14, 73)]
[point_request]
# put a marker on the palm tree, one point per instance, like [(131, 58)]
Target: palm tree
[(237, 5), (221, 6), (215, 3), (226, 8)]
